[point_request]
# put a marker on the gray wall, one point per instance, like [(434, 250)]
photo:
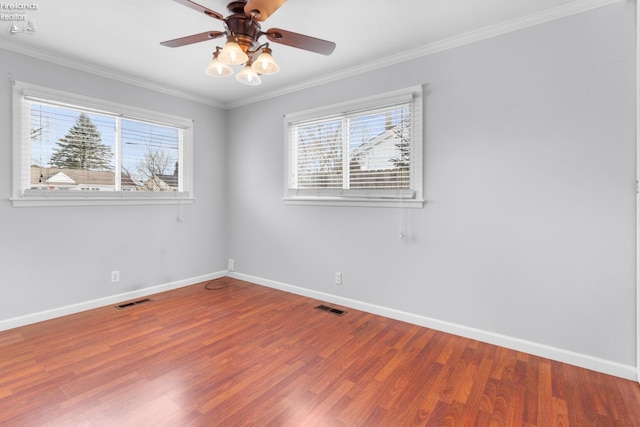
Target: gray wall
[(59, 256), (529, 226)]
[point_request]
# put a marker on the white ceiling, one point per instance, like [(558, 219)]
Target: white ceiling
[(120, 38)]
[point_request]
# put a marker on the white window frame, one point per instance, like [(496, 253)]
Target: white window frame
[(360, 197), (21, 177)]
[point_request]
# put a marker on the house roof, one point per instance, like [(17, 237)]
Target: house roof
[(386, 135), (60, 178), (76, 176)]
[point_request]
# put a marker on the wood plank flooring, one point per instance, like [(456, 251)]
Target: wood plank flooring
[(246, 355)]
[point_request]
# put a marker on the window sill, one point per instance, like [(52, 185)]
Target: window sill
[(116, 199), (354, 202)]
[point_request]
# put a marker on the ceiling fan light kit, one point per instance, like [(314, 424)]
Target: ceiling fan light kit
[(265, 64), (243, 30), (248, 76), (217, 68), (232, 54)]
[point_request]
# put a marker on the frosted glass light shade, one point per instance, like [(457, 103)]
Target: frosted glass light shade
[(265, 64), (232, 54), (218, 69), (248, 76)]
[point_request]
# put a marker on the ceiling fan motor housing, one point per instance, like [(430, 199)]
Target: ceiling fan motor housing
[(243, 29)]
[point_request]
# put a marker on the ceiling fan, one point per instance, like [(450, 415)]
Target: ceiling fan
[(243, 31)]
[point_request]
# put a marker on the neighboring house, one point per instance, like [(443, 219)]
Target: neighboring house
[(61, 181), (161, 183), (374, 163), (378, 152), (77, 179)]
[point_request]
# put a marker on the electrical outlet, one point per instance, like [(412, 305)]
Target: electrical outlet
[(338, 278), (115, 276), (230, 265)]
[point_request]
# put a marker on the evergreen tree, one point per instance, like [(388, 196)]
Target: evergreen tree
[(82, 148)]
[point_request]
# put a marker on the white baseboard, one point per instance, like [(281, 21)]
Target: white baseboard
[(537, 349), (101, 302)]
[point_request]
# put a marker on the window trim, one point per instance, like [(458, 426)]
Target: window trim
[(20, 198), (363, 197)]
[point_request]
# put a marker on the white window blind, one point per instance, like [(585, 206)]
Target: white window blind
[(368, 149), (76, 151), (150, 156)]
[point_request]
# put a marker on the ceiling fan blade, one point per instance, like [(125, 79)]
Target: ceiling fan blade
[(300, 41), (262, 9), (195, 38), (200, 8)]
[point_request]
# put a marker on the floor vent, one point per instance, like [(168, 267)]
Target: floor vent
[(131, 304), (331, 310)]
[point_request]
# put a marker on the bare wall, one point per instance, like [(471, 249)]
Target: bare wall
[(529, 226), (60, 256)]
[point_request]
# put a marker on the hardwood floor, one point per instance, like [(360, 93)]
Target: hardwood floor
[(246, 355)]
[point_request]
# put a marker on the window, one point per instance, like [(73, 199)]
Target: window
[(72, 150), (367, 152)]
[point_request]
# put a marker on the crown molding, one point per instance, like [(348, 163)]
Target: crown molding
[(573, 8), (107, 73)]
